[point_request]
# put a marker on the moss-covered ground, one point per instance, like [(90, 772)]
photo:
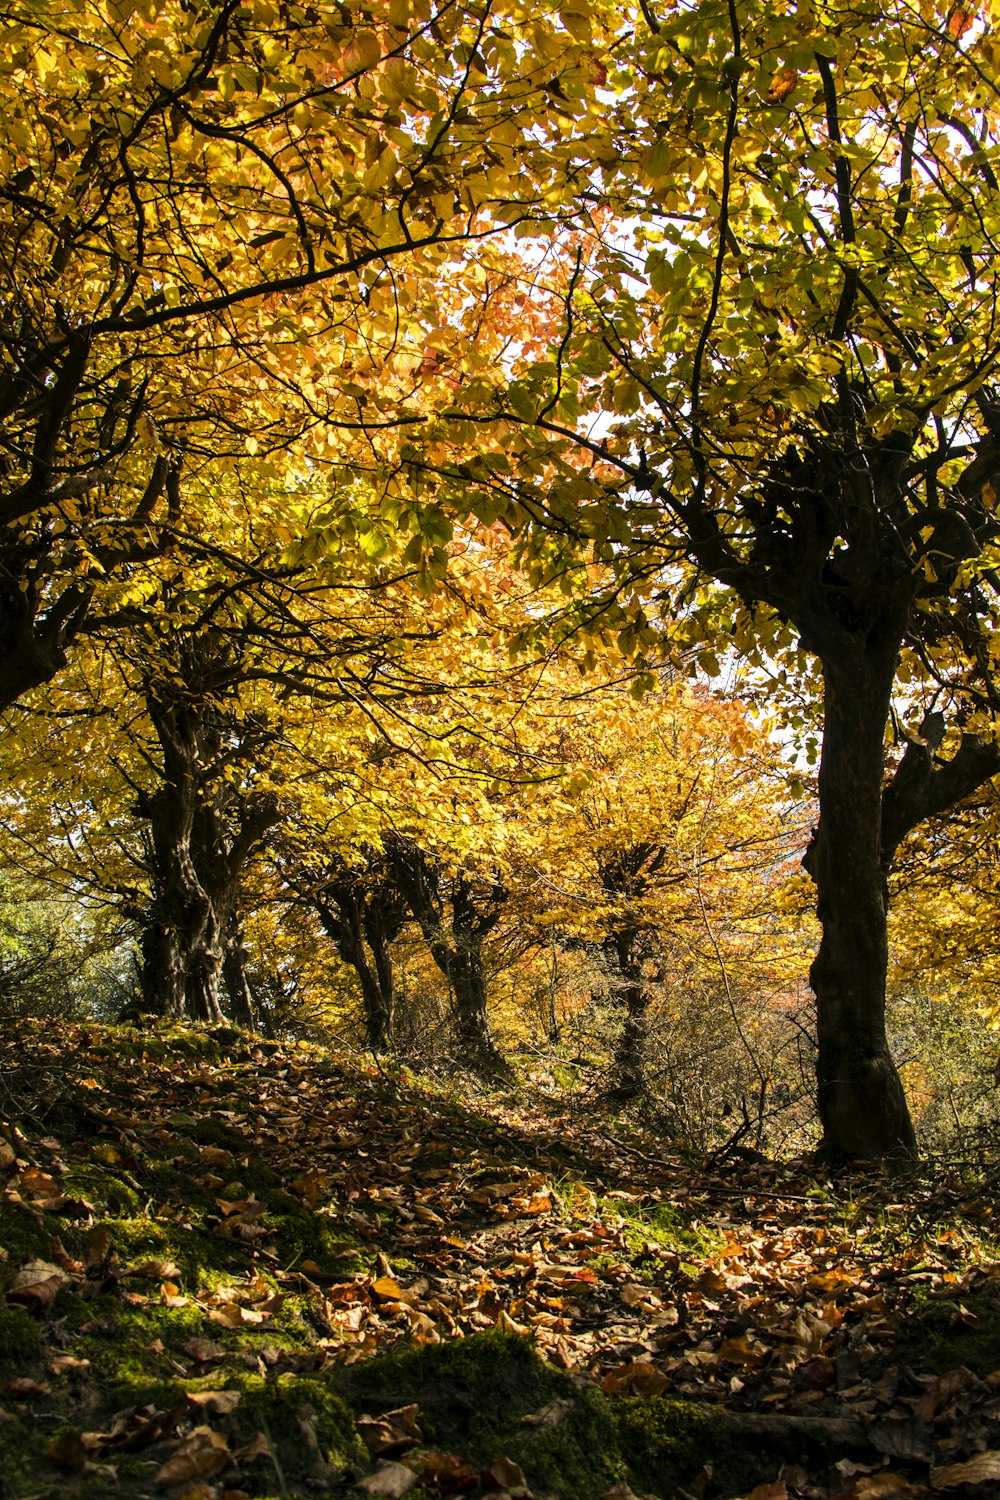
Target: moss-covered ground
[(234, 1271)]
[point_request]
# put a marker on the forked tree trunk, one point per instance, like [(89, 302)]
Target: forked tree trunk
[(234, 973), (343, 920), (862, 1106), (181, 949), (467, 975), (628, 1081), (458, 955)]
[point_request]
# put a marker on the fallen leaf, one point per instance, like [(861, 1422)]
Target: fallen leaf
[(68, 1450), (37, 1285), (387, 1289), (220, 1403), (508, 1474), (391, 1480), (154, 1270), (640, 1378), (23, 1389), (884, 1486), (96, 1247), (203, 1452), (41, 1188), (204, 1351), (978, 1470)]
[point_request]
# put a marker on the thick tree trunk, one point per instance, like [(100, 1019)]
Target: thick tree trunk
[(241, 1006), (461, 959), (344, 922), (161, 975), (181, 951), (861, 1102), (182, 956), (629, 1069), (467, 977)]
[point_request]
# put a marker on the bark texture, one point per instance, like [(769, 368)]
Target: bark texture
[(455, 916)]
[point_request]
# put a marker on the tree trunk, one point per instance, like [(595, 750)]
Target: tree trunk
[(461, 959), (241, 1006), (862, 1107), (629, 1069), (181, 950), (161, 974), (345, 924), (467, 976)]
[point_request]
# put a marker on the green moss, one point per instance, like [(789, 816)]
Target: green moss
[(474, 1395), (665, 1442), (310, 1427), (303, 1235), (101, 1186), (660, 1224), (575, 1453), (24, 1237), (944, 1334), (19, 1446), (466, 1388), (19, 1341)]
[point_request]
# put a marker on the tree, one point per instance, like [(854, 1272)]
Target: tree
[(456, 912), (785, 321), (233, 231), (362, 911), (663, 846)]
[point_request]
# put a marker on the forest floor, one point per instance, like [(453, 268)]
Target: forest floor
[(249, 1271)]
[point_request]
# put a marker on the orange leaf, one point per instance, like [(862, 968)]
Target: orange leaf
[(959, 20), (782, 85)]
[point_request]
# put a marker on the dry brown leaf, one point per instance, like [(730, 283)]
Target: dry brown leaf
[(506, 1324), (978, 1470), (41, 1188), (154, 1270), (203, 1452), (387, 1289), (390, 1480), (640, 1378), (37, 1285), (220, 1403), (633, 1295), (69, 1450), (96, 1247), (884, 1486), (740, 1351), (22, 1388), (395, 1429), (204, 1351), (508, 1474)]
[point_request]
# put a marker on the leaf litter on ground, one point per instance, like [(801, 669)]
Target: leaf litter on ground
[(279, 1218)]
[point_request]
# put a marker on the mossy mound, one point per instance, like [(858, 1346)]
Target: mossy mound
[(944, 1334), (490, 1396), (309, 1427), (19, 1340)]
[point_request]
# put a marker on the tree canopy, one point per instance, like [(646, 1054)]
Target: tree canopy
[(357, 365)]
